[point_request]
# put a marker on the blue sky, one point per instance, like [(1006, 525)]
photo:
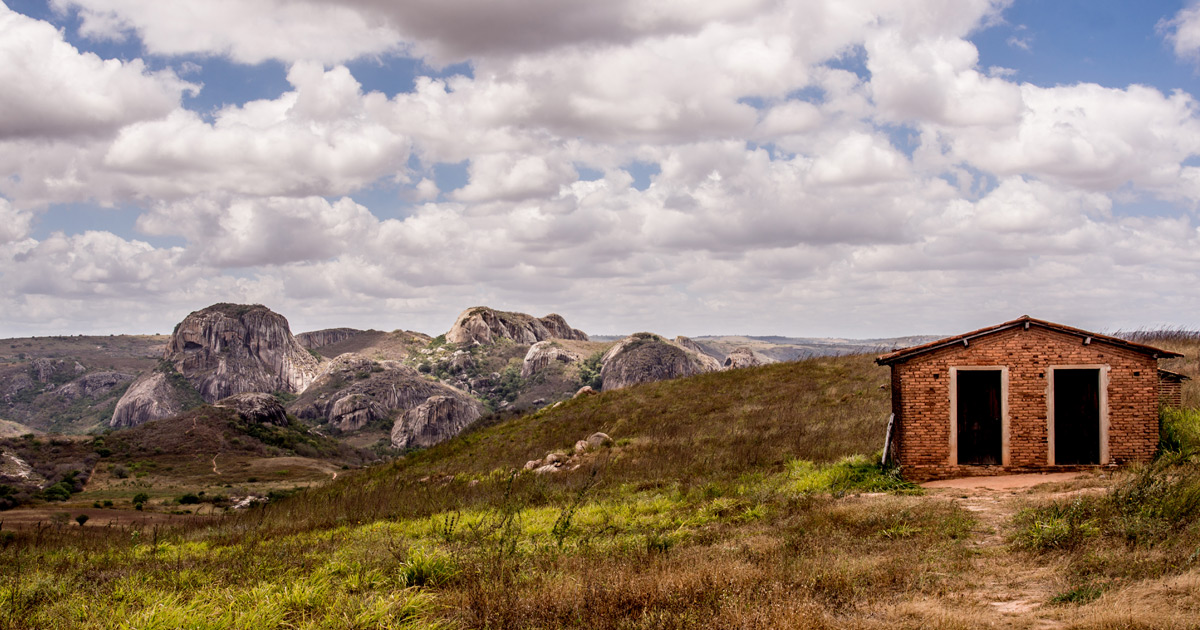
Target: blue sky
[(799, 168)]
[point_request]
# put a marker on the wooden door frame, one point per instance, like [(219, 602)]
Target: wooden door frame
[(1103, 370), (1004, 425)]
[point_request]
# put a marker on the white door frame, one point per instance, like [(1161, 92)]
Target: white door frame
[(1102, 369), (1004, 428)]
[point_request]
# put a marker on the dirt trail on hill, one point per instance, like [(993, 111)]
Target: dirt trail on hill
[(1011, 590)]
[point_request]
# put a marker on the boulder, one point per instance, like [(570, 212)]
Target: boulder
[(256, 407), (741, 358), (543, 354), (461, 362), (596, 440), (228, 349), (586, 390), (55, 370), (645, 357), (93, 385), (152, 396), (353, 390), (691, 346), (433, 421), (483, 325), (326, 337)]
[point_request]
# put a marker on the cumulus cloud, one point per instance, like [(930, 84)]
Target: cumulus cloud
[(249, 232), (14, 223), (53, 90), (822, 158), (315, 31), (1183, 32)]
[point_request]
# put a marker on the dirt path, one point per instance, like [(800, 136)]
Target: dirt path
[(214, 463), (1014, 591)]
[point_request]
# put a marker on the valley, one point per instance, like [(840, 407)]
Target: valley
[(670, 491)]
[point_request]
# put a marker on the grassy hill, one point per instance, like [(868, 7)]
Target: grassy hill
[(740, 499)]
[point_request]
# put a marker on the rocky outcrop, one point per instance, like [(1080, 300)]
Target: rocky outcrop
[(329, 336), (54, 370), (256, 407), (645, 357), (702, 355), (151, 397), (228, 349), (93, 385), (741, 358), (558, 462), (353, 391), (433, 421), (483, 325), (543, 354)]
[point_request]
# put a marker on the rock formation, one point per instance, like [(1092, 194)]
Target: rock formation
[(433, 421), (151, 397), (55, 370), (543, 354), (328, 336), (710, 362), (93, 385), (645, 357), (228, 349), (484, 325), (742, 357), (256, 407), (353, 391), (219, 351)]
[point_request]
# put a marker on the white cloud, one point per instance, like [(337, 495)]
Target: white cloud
[(250, 232), (789, 197), (246, 32), (1089, 136), (52, 90), (1183, 32)]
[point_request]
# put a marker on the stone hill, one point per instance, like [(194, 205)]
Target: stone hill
[(220, 351), (645, 357), (354, 391), (483, 325)]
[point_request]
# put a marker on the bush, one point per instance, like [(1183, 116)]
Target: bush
[(589, 371), (60, 491), (189, 499), (1056, 526), (140, 498), (81, 519), (120, 472), (1179, 430)]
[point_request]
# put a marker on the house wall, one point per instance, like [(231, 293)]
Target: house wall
[(921, 400), (1170, 391)]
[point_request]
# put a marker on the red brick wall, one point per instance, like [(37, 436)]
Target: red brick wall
[(921, 400), (1170, 391)]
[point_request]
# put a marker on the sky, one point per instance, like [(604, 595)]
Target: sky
[(849, 168)]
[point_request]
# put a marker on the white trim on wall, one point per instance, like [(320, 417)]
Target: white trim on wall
[(1005, 459), (1102, 370)]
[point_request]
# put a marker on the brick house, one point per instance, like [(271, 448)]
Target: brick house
[(1022, 396)]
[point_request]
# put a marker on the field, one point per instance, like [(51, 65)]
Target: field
[(735, 500)]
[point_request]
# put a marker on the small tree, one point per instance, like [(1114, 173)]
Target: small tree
[(81, 519)]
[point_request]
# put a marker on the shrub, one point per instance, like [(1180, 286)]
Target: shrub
[(81, 519), (120, 472), (1056, 525), (140, 498), (589, 371), (60, 491), (189, 499), (423, 568)]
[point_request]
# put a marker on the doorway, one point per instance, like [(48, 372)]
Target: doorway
[(979, 421), (1076, 416)]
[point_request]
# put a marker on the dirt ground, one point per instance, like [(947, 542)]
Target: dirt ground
[(31, 518), (1011, 591)]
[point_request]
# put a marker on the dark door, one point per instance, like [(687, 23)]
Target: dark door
[(979, 424), (1077, 416)]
